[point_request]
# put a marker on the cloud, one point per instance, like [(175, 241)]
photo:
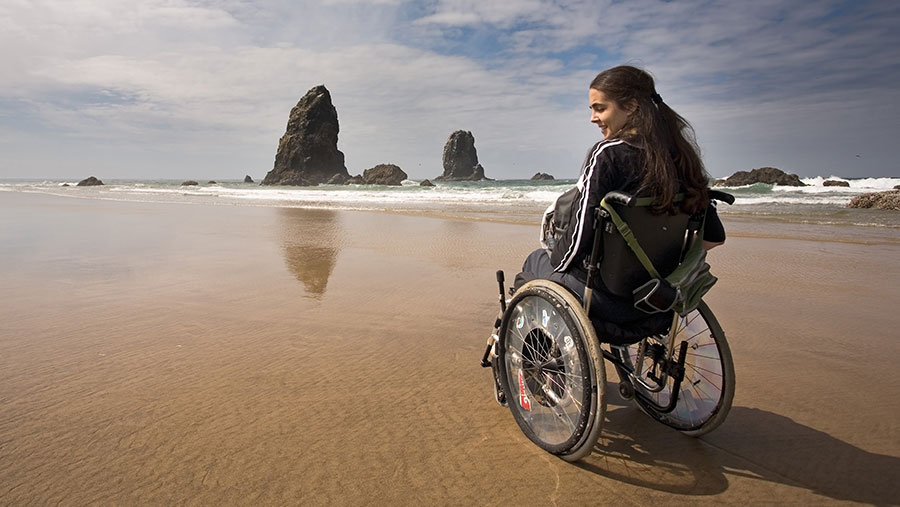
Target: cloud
[(759, 80)]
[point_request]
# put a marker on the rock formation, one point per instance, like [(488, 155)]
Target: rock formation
[(307, 152), (768, 175), (211, 182), (384, 174), (542, 177), (90, 181), (426, 183), (337, 179), (460, 159), (835, 183), (248, 179), (189, 183), (356, 180), (889, 199)]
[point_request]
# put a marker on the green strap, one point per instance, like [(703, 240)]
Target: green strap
[(628, 236)]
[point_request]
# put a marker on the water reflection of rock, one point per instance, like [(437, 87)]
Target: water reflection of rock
[(310, 241)]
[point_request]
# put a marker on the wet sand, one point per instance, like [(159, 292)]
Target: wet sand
[(210, 355)]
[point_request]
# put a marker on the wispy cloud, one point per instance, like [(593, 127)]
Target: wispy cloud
[(764, 83)]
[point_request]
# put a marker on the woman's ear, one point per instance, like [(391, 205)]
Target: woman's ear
[(631, 106)]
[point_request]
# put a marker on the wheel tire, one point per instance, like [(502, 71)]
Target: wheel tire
[(707, 390), (551, 370)]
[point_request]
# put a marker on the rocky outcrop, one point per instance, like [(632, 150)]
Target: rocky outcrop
[(90, 181), (307, 152), (384, 174), (896, 187), (337, 179), (542, 177), (889, 199), (248, 179), (460, 159), (835, 183), (426, 183), (356, 180), (211, 182), (768, 175), (189, 183)]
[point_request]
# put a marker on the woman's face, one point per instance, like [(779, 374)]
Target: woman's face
[(607, 113)]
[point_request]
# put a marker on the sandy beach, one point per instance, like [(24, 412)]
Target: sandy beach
[(160, 354)]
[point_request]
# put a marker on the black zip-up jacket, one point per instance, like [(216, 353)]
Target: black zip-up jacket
[(611, 164)]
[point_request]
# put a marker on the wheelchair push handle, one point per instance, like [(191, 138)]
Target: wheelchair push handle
[(718, 195), (629, 200), (622, 198)]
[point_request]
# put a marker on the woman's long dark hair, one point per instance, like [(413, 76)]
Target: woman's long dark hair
[(672, 157)]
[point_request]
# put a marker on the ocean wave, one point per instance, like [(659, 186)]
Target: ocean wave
[(488, 195)]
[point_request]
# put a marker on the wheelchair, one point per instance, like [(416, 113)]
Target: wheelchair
[(548, 362)]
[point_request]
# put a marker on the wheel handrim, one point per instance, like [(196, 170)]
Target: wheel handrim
[(546, 373)]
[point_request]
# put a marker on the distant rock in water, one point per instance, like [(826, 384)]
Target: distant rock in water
[(768, 175), (189, 183), (460, 159), (835, 183), (896, 187), (356, 180), (542, 177), (307, 152), (90, 181), (889, 199), (211, 182), (384, 174), (248, 179), (426, 183)]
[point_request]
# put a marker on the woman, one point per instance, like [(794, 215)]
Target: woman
[(647, 149)]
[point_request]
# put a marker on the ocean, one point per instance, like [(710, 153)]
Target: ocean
[(518, 201)]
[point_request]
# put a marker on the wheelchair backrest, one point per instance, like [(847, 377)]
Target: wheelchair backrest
[(662, 237)]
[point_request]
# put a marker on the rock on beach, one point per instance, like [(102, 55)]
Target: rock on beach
[(770, 175), (90, 181), (889, 200), (384, 174)]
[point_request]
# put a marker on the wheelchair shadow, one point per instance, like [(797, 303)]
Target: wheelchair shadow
[(751, 443)]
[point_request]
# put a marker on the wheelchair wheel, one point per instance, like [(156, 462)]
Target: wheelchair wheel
[(551, 370), (707, 390)]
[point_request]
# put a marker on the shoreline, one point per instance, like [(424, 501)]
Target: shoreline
[(739, 223)]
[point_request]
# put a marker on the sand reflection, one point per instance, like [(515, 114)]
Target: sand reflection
[(310, 240)]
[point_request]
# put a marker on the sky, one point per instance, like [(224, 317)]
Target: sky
[(202, 89)]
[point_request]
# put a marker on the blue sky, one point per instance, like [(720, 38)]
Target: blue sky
[(202, 89)]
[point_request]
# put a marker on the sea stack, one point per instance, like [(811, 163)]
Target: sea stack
[(461, 159), (307, 152)]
